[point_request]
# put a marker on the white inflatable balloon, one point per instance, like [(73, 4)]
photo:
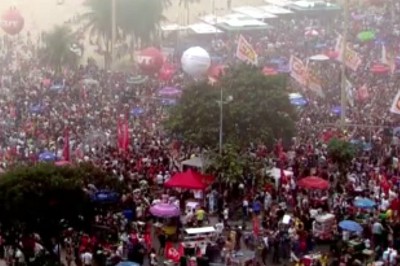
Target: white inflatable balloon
[(196, 61)]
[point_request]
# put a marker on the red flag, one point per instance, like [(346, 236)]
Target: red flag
[(125, 136), (284, 179), (256, 226), (119, 134), (66, 148), (171, 253)]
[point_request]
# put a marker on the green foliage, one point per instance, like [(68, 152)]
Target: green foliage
[(137, 18), (233, 163), (140, 18), (38, 197), (57, 52), (341, 152), (228, 165), (259, 112)]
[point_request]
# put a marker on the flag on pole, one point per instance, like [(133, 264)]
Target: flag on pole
[(298, 70), (384, 59), (349, 92), (347, 55), (395, 108), (66, 149), (246, 52), (123, 135), (314, 83), (387, 59)]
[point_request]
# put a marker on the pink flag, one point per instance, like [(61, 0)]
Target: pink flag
[(66, 148)]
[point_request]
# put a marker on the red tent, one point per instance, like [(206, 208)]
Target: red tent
[(313, 182), (189, 180)]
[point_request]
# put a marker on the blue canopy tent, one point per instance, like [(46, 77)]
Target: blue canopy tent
[(364, 203), (137, 111), (57, 87), (336, 110), (299, 102), (105, 196), (351, 226), (128, 263), (47, 157), (36, 109), (168, 102)]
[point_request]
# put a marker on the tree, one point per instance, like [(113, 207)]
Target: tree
[(98, 22), (57, 51), (342, 153), (234, 165), (140, 19), (37, 198), (260, 111)]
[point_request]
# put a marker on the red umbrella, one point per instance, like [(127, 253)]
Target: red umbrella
[(379, 69), (268, 71), (313, 182)]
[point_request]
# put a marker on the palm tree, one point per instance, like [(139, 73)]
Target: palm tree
[(57, 51), (141, 19), (138, 19), (97, 22)]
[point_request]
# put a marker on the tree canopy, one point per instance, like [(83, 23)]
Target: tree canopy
[(260, 110), (138, 19), (341, 152), (36, 198), (57, 51)]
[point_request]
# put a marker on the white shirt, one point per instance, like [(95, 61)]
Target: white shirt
[(87, 258), (160, 179), (226, 213), (219, 227)]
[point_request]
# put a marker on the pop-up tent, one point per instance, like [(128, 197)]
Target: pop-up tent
[(188, 180), (276, 174)]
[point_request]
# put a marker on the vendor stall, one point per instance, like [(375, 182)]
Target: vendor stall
[(324, 226)]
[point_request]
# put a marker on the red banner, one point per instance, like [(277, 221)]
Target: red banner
[(123, 135), (66, 148), (171, 253)]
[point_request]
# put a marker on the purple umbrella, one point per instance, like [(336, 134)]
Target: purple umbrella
[(165, 210), (169, 91)]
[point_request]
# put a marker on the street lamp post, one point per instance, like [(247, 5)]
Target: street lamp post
[(113, 31), (343, 96), (221, 103)]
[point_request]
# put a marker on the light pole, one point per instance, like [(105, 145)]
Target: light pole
[(113, 31), (221, 103), (343, 96)]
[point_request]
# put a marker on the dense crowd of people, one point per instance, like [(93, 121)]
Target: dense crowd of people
[(36, 108)]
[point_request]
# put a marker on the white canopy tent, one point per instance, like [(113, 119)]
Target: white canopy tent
[(234, 21), (276, 10), (196, 162), (204, 28), (275, 173), (172, 27), (254, 12), (281, 3)]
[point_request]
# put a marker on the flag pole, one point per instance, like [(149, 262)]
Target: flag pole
[(113, 31), (343, 97)]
